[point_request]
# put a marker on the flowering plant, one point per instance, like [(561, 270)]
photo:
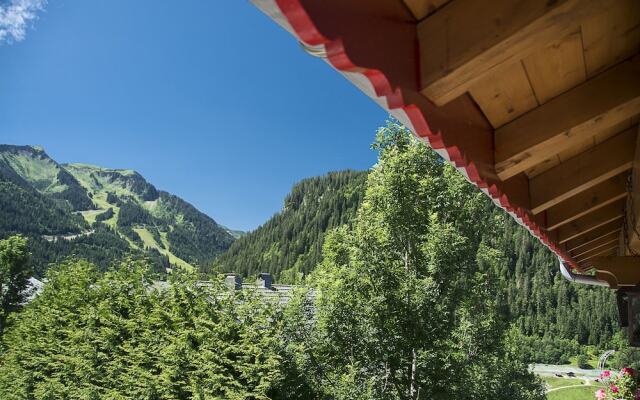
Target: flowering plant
[(623, 386)]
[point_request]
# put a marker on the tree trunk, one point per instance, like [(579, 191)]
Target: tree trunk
[(412, 386)]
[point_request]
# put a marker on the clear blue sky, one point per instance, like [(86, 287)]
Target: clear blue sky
[(208, 99)]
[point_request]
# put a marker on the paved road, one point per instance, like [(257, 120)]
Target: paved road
[(53, 238), (552, 370)]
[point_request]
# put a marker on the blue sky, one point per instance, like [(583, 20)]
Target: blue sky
[(207, 99)]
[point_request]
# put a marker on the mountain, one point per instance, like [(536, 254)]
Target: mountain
[(290, 243), (45, 175), (100, 213), (125, 214)]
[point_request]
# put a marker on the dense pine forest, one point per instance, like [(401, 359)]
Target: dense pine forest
[(289, 245), (554, 317)]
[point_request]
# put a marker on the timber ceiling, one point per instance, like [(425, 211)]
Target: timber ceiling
[(560, 85)]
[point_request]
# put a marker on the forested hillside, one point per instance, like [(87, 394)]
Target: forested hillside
[(128, 215), (289, 245), (555, 315), (99, 214), (400, 309)]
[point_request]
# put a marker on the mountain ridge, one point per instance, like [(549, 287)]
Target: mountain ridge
[(120, 205)]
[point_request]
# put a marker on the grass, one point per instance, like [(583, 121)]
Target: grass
[(93, 181), (569, 388), (149, 241), (573, 393), (41, 172), (90, 215), (555, 382)]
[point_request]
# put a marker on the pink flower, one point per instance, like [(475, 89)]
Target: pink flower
[(628, 371), (600, 394), (606, 374), (614, 388)]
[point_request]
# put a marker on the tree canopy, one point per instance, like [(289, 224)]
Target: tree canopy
[(14, 276), (402, 309)]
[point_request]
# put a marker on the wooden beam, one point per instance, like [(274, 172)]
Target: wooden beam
[(467, 39), (609, 240), (422, 8), (591, 221), (633, 212), (590, 200), (596, 105), (625, 269), (610, 247), (582, 172), (586, 240), (587, 264)]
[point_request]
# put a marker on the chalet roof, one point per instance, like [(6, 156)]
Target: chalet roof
[(537, 103)]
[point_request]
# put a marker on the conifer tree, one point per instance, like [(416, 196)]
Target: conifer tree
[(14, 276)]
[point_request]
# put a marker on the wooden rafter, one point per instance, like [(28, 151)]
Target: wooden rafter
[(467, 39), (597, 244), (588, 261), (582, 172), (587, 265), (633, 211), (592, 107), (609, 247), (625, 269), (590, 200), (587, 239), (591, 221)]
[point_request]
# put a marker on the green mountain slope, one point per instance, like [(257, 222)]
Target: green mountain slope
[(100, 213), (42, 173), (290, 243), (25, 210)]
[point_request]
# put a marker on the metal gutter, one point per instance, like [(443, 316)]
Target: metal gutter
[(579, 278)]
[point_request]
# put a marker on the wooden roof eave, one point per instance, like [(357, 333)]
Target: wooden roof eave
[(380, 47)]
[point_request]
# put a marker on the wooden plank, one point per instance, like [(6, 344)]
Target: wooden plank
[(505, 95), (543, 166), (467, 39), (421, 8), (556, 68), (633, 212), (589, 222), (600, 103), (589, 238), (588, 169), (626, 269), (611, 36), (590, 200), (578, 148), (597, 244), (614, 130)]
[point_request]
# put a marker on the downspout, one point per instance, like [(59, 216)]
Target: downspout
[(579, 278)]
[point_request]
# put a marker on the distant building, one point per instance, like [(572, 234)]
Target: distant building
[(263, 286)]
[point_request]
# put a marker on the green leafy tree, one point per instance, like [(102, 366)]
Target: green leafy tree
[(14, 276), (401, 308)]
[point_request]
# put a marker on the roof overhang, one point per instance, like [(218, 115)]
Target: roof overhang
[(536, 103)]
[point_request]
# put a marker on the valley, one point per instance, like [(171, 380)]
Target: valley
[(105, 215)]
